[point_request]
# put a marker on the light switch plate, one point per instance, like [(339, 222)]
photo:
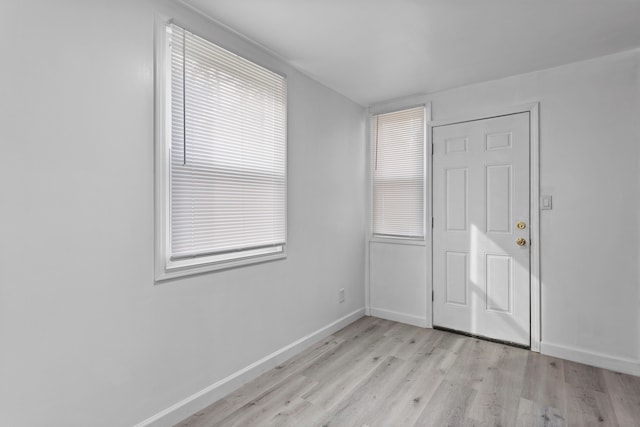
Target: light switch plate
[(545, 203)]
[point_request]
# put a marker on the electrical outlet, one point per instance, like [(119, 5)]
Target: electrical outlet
[(341, 295)]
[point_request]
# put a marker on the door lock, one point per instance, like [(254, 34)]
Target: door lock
[(521, 225)]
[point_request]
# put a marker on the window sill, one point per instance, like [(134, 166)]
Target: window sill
[(398, 241), (169, 272)]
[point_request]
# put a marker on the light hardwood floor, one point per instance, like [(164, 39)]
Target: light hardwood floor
[(376, 372)]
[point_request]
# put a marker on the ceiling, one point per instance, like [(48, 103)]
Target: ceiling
[(377, 50)]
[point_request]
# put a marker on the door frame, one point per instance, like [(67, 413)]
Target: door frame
[(534, 190)]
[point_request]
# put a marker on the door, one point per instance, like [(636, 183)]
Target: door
[(481, 263)]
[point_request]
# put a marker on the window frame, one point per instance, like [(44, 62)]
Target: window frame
[(391, 107), (165, 267)]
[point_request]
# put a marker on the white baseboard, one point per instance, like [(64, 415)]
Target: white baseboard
[(618, 364), (218, 390), (396, 316)]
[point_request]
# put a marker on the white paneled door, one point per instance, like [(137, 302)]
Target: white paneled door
[(481, 264)]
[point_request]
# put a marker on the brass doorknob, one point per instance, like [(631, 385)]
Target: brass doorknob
[(521, 241), (521, 225)]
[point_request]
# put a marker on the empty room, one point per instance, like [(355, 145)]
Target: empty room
[(303, 213)]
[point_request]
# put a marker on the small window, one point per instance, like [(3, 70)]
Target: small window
[(222, 180), (398, 174)]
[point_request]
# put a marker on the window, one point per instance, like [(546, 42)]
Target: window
[(398, 173), (221, 158)]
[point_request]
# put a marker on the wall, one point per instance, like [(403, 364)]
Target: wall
[(87, 337), (589, 162), (397, 282)]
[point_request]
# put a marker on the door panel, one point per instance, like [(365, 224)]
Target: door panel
[(498, 198), (456, 277), (481, 277), (499, 283), (456, 204)]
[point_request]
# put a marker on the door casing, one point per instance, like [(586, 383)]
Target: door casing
[(534, 191)]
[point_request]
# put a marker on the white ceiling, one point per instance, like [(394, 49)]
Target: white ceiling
[(377, 50)]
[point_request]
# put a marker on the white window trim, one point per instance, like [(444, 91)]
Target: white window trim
[(390, 107), (165, 267), (418, 241)]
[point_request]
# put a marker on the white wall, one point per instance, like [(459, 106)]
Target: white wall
[(590, 163), (397, 282), (86, 336)]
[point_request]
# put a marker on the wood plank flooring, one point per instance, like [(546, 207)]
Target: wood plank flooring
[(376, 372)]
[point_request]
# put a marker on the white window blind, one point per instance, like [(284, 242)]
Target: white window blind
[(228, 153), (398, 173)]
